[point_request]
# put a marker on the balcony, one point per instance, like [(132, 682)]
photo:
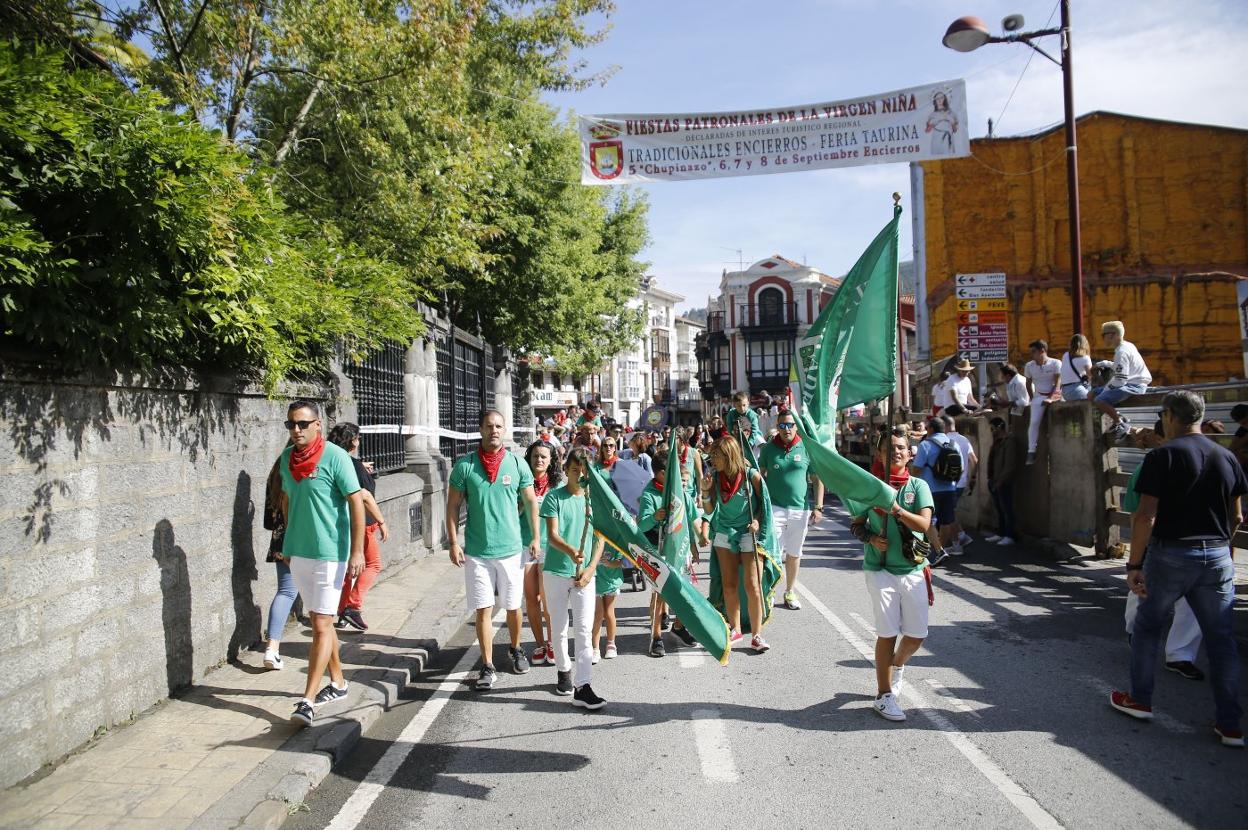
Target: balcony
[(775, 383), (715, 329), (767, 319)]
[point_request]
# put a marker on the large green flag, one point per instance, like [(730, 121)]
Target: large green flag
[(617, 528), (849, 354), (855, 487), (767, 546)]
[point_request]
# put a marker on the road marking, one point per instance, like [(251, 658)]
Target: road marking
[(1015, 794), (693, 659), (1167, 721), (714, 750), (357, 806), (954, 701), (862, 621)]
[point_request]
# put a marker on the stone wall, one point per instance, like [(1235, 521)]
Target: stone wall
[(132, 552)]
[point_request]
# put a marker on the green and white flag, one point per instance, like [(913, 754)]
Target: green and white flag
[(617, 528), (674, 544)]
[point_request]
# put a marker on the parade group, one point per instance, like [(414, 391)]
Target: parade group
[(528, 539)]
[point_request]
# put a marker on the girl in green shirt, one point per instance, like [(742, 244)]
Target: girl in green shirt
[(546, 477), (731, 496)]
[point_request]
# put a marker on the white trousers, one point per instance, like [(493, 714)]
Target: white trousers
[(1037, 415), (561, 595), (1183, 641)]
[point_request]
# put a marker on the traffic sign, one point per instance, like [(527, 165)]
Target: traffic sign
[(975, 292), (972, 318), (980, 279), (985, 355), (984, 305), (983, 343), (984, 331)]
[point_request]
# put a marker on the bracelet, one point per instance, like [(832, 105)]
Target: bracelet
[(1138, 567)]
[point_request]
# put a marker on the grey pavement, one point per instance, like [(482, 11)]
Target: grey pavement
[(1009, 724)]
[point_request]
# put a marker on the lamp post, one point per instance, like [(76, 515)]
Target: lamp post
[(967, 34)]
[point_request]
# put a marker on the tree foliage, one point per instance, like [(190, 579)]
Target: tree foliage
[(412, 128)]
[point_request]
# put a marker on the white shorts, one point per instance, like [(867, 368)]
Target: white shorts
[(484, 577), (899, 603), (744, 545), (319, 582), (791, 524)]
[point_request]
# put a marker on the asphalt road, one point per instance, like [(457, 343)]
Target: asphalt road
[(1009, 724)]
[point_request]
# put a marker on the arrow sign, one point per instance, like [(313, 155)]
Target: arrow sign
[(984, 305), (983, 331), (975, 292), (986, 355), (971, 318), (980, 279), (982, 343)]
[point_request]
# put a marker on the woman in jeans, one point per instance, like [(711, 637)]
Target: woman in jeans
[(1076, 369), (284, 599)]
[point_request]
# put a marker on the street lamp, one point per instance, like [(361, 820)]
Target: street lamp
[(966, 34)]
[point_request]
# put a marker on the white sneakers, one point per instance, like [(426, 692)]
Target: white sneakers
[(898, 680), (887, 708), (964, 538), (1005, 541), (272, 661), (611, 653), (954, 550), (992, 538), (597, 656)]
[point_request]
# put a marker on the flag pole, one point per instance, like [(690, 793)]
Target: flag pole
[(749, 494), (901, 340)]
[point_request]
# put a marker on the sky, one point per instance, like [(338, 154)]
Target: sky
[(1156, 58)]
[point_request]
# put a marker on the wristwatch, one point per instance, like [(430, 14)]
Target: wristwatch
[(1138, 567)]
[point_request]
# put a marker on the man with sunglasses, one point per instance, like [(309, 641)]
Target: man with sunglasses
[(786, 467), (324, 540)]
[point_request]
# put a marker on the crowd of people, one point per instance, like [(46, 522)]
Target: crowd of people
[(528, 542)]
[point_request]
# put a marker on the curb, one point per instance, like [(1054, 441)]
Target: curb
[(276, 789)]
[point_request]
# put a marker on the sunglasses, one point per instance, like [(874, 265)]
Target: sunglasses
[(301, 424), (786, 426)]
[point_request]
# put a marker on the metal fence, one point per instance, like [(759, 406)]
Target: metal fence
[(465, 388), (377, 382)]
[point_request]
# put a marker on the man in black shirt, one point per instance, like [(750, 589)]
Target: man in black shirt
[(1189, 509)]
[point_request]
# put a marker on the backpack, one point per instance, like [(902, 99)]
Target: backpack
[(948, 463)]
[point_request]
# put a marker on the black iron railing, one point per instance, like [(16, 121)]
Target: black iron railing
[(377, 382)]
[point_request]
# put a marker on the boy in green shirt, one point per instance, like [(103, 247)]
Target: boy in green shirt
[(897, 584), (741, 409)]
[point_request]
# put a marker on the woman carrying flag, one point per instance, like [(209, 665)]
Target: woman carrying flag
[(546, 477), (572, 554), (732, 498), (895, 567)]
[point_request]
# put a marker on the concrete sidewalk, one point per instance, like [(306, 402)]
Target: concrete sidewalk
[(223, 754)]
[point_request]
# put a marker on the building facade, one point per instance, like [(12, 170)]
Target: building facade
[(1164, 221)]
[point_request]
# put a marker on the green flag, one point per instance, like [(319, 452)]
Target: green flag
[(849, 355), (617, 528), (766, 544), (855, 487)]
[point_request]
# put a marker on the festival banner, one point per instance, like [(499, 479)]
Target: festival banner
[(917, 124)]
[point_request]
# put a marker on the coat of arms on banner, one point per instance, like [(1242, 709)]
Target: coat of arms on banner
[(606, 156)]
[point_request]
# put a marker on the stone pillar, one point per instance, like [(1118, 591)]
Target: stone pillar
[(423, 453), (503, 401)]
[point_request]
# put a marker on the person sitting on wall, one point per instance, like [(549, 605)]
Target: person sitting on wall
[(1131, 377)]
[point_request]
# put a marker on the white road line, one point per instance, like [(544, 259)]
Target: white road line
[(862, 621), (714, 750), (1168, 721), (954, 701), (1020, 798), (693, 659), (357, 806)]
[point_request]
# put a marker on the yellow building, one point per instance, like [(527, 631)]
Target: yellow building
[(1165, 239)]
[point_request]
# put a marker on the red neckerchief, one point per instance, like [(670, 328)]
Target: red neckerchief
[(898, 480), (797, 439), (303, 461), (610, 462), (726, 490), (491, 462), (658, 485), (684, 454), (541, 484)]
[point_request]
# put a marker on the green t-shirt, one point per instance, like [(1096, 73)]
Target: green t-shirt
[(913, 496), (787, 473), (1130, 498), (730, 420), (732, 517), (318, 521), (608, 580), (526, 532), (582, 421), (649, 503), (569, 512), (493, 526)]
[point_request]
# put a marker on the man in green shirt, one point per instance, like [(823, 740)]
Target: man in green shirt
[(897, 583), (489, 482), (324, 539), (786, 467)]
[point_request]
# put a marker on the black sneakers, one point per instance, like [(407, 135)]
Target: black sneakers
[(563, 685), (329, 694), (303, 713), (353, 619), (519, 661), (656, 647), (1187, 669), (486, 679), (586, 699), (683, 635)]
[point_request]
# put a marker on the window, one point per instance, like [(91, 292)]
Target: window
[(537, 380), (556, 381), (769, 357), (771, 307), (723, 362)]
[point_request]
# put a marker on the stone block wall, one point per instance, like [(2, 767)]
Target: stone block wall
[(132, 551)]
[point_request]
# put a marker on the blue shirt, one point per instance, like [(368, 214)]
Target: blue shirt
[(925, 459)]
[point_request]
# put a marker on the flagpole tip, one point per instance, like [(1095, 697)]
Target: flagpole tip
[(896, 198)]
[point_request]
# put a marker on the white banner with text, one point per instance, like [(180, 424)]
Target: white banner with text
[(918, 124)]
